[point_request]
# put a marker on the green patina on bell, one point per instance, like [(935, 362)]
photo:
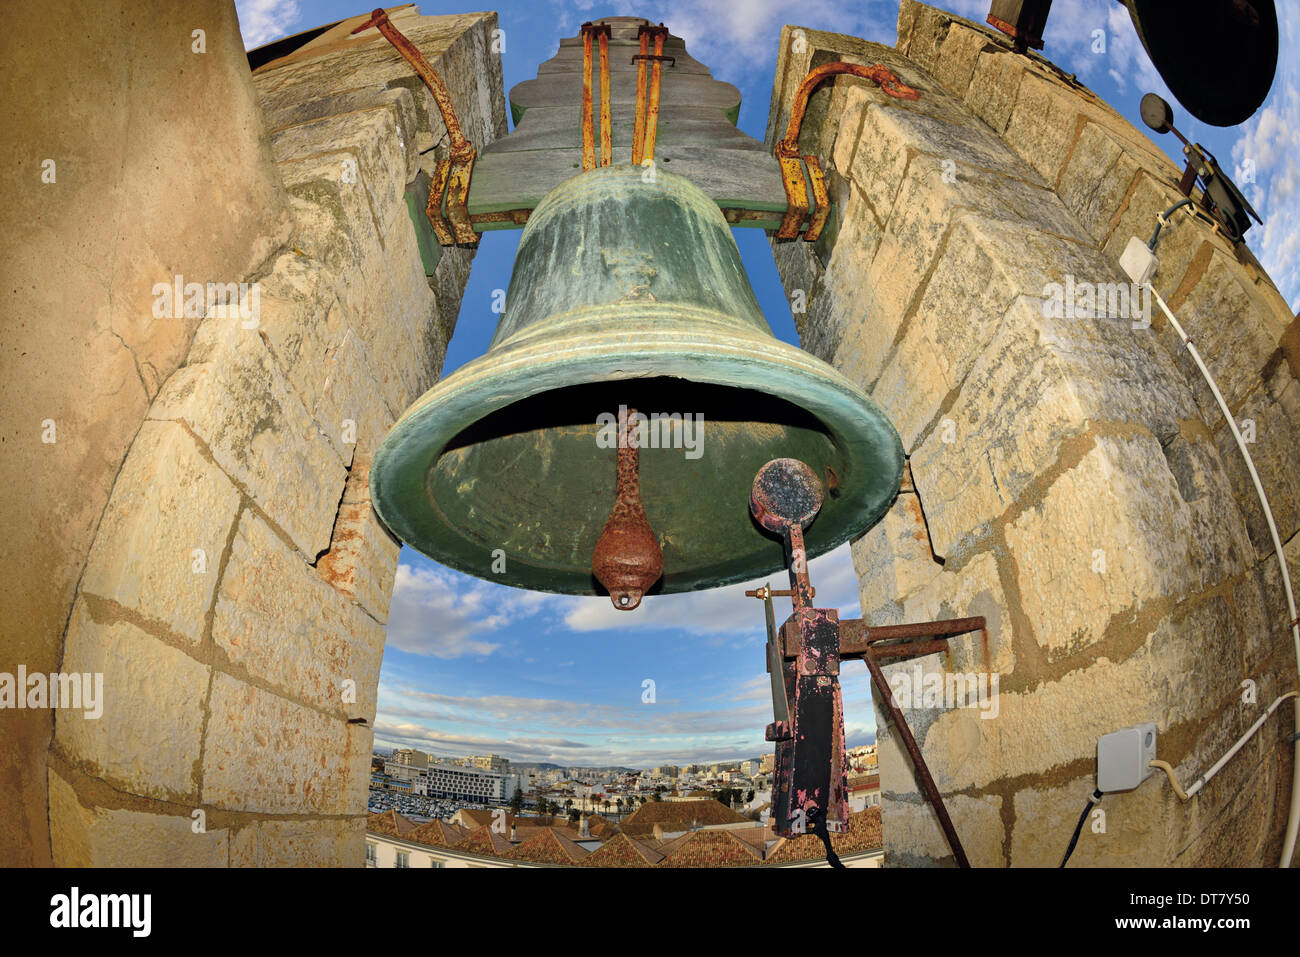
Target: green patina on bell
[(628, 291)]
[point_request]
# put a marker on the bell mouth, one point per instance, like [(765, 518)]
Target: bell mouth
[(506, 456)]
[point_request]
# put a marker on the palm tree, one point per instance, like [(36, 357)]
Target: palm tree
[(619, 802)]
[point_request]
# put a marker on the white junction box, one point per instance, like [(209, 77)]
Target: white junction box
[(1138, 261), (1124, 757)]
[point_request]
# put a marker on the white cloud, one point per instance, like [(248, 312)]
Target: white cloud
[(1270, 143), (438, 612), (261, 21)]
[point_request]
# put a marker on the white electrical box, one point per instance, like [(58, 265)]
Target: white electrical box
[(1124, 758), (1138, 261)]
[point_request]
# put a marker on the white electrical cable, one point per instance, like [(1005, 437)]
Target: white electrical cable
[(1293, 819), (1204, 779)]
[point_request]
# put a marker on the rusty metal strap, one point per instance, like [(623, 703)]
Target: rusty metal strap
[(647, 101), (454, 176), (602, 33), (800, 173), (588, 129)]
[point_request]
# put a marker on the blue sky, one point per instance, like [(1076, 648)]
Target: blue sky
[(471, 666)]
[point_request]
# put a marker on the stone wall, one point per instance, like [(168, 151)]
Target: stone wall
[(236, 593), (1072, 480), (122, 175)]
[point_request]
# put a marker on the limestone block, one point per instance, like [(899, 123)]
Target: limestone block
[(933, 191), (335, 226), (1261, 610), (846, 321), (1235, 337), (1167, 679), (351, 410), (913, 838), (304, 325), (362, 561), (395, 315), (982, 268), (893, 560), (328, 842), (1039, 382), (1275, 412), (1221, 547), (115, 837), (1114, 527), (1043, 124), (143, 678), (159, 544), (921, 32), (975, 589), (1096, 180), (234, 397), (266, 754), (994, 86), (284, 112), (1140, 826), (277, 619), (957, 57), (384, 154)]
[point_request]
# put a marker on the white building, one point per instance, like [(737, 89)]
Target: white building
[(467, 784)]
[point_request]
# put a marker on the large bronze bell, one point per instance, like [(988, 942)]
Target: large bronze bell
[(628, 293)]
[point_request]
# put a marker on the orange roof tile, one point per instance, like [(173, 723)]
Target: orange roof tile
[(710, 849), (548, 846), (623, 851)]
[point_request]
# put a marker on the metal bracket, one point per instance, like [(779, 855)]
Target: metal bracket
[(455, 227), (798, 172)]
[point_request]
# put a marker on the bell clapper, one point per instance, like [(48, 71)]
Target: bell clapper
[(627, 559)]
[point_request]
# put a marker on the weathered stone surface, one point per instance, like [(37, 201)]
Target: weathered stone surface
[(1138, 825), (982, 267), (1096, 179), (1235, 349), (893, 561), (913, 838), (957, 56), (976, 589), (142, 679), (115, 837), (268, 755), (1117, 509), (1260, 605), (351, 410), (1275, 412), (844, 324), (337, 226), (994, 87), (1039, 382), (234, 397), (1165, 680), (328, 842), (362, 560), (277, 619), (159, 544)]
